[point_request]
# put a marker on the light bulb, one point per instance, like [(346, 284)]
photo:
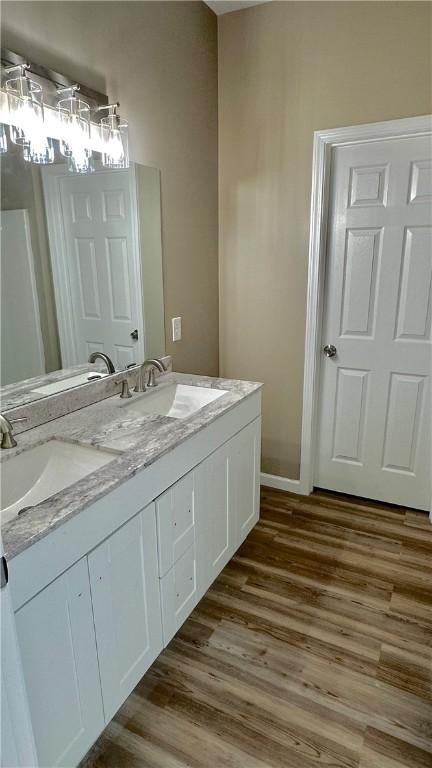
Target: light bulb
[(75, 144), (27, 128), (114, 152), (114, 133)]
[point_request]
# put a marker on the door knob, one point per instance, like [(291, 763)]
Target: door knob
[(134, 335), (329, 350)]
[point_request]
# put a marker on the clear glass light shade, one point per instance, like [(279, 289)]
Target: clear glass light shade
[(75, 142), (3, 139), (27, 128), (115, 152)]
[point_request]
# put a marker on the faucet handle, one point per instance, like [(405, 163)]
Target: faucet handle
[(139, 385), (8, 440), (151, 381), (125, 391)]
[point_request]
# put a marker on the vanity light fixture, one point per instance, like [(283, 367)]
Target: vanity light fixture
[(114, 135), (74, 116), (25, 102), (43, 110)]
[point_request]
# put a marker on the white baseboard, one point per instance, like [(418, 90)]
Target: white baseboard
[(282, 483)]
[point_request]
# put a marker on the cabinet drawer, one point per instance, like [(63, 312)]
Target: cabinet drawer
[(175, 515), (180, 592)]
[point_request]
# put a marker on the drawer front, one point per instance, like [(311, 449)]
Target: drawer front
[(180, 592), (175, 516)]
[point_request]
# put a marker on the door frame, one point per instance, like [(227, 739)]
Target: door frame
[(324, 144), (51, 175)]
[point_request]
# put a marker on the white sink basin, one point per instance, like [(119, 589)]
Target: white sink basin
[(40, 472), (71, 381), (177, 400)]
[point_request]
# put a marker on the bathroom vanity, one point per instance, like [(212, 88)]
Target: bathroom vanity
[(104, 572)]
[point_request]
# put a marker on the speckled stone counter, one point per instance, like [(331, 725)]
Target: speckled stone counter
[(136, 441)]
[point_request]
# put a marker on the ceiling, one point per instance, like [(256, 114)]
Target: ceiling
[(227, 6)]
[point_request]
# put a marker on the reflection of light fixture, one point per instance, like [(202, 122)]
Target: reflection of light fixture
[(75, 118), (114, 133), (3, 140), (27, 117)]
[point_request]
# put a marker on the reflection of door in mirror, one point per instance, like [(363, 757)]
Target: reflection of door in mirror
[(81, 269), (93, 234), (19, 302)]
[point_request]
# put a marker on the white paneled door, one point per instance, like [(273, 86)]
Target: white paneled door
[(93, 231), (374, 435)]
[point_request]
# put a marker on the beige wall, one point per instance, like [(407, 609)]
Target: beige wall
[(285, 70), (159, 59), (150, 225)]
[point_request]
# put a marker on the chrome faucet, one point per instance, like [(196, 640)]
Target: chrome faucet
[(151, 381), (6, 430), (102, 356)]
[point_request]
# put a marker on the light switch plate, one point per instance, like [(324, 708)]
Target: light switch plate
[(176, 328)]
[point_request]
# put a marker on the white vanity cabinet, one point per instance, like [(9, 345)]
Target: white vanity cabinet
[(110, 588), (127, 619), (58, 651)]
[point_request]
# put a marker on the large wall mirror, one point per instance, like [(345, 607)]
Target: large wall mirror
[(81, 271)]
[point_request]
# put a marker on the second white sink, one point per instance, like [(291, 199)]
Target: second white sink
[(38, 473), (69, 383), (177, 400)]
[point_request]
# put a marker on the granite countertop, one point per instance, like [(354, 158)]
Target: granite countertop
[(23, 392), (136, 440)]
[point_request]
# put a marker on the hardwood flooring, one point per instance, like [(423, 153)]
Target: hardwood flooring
[(312, 649)]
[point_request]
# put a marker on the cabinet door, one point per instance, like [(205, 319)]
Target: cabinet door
[(58, 650), (245, 478), (17, 747), (125, 593), (214, 509)]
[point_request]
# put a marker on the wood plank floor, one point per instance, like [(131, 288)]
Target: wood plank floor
[(313, 648)]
